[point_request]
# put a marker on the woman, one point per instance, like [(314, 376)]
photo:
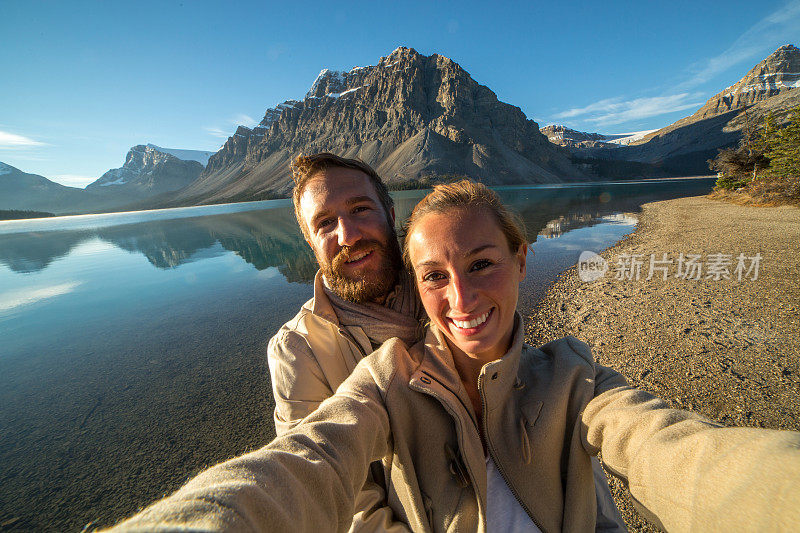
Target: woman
[(475, 429)]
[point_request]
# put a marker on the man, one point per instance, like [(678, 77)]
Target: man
[(362, 297)]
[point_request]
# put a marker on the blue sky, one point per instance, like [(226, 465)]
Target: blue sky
[(82, 82)]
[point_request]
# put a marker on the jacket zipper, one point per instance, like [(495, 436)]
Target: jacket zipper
[(352, 340), (459, 432), (492, 454)]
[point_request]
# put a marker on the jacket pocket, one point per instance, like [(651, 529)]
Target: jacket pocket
[(428, 504), (530, 413)]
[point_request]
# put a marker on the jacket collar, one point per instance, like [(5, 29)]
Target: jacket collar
[(321, 304), (498, 377)]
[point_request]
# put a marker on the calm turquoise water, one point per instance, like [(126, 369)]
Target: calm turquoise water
[(132, 346)]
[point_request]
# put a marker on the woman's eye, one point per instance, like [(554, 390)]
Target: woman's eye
[(433, 276), (481, 264)]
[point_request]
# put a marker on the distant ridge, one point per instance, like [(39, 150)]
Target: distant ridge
[(779, 73), (21, 191), (683, 148), (147, 172), (185, 155), (564, 136)]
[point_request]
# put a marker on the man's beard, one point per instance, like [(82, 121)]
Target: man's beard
[(372, 285)]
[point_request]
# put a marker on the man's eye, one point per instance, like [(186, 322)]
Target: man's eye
[(360, 208), (480, 264), (324, 223)]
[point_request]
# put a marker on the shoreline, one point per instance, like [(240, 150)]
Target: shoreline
[(725, 348)]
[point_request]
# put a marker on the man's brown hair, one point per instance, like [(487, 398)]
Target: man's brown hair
[(304, 167)]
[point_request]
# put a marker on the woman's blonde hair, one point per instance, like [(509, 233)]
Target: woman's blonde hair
[(466, 194)]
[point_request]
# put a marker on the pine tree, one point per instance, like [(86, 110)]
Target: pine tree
[(784, 146)]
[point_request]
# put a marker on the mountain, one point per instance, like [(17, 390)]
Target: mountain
[(564, 136), (187, 155), (22, 191), (410, 116), (147, 171), (683, 148), (776, 74)]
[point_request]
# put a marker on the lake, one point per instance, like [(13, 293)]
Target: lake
[(133, 345)]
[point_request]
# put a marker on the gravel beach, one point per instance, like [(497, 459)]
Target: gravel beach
[(725, 345)]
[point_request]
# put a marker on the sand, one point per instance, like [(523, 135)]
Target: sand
[(726, 348)]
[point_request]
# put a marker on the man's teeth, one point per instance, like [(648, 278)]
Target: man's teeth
[(471, 323), (358, 257)]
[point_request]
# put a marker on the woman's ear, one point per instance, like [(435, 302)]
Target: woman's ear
[(522, 257)]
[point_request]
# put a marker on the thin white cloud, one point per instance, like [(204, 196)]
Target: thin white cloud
[(13, 299), (11, 141), (616, 110), (240, 119), (217, 132), (777, 29), (244, 120), (73, 180)]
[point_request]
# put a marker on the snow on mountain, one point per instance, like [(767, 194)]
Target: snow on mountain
[(768, 82), (5, 169), (627, 138), (348, 91), (186, 155), (333, 78)]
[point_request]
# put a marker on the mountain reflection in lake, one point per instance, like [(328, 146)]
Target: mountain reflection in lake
[(133, 354)]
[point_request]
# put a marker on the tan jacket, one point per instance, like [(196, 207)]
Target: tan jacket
[(545, 411), (309, 357)]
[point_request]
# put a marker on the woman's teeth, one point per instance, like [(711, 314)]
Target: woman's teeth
[(471, 323), (358, 257)]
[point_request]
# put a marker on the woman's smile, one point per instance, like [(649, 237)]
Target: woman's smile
[(468, 326)]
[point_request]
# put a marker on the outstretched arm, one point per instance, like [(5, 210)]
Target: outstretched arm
[(299, 386), (686, 472), (306, 480)]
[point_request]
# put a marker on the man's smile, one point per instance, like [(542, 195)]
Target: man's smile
[(358, 258)]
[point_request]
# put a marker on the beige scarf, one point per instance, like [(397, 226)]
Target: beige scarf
[(401, 315)]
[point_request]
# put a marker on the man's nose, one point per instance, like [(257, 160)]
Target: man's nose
[(348, 232), (462, 294)]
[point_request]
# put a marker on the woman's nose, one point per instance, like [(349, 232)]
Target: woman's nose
[(348, 232), (462, 294)]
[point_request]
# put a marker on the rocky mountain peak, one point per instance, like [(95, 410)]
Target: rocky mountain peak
[(409, 115), (564, 136), (146, 172), (778, 73), (142, 156)]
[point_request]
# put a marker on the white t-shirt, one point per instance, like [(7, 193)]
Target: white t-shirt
[(504, 513)]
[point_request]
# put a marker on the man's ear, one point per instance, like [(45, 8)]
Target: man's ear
[(391, 212), (522, 257)]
